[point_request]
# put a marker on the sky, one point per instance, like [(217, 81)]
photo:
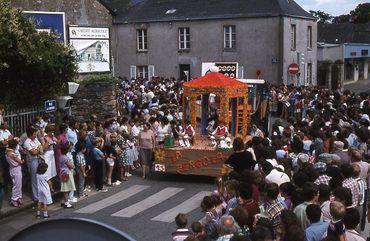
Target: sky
[(334, 7)]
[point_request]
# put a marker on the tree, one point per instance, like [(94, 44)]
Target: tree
[(322, 16), (33, 66), (361, 14)]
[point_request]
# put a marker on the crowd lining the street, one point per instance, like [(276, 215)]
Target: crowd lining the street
[(307, 180)]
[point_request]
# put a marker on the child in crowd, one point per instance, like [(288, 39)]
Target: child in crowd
[(123, 165), (43, 188), (131, 152), (81, 169), (198, 231), (181, 232), (67, 185), (15, 169), (336, 225), (110, 164)]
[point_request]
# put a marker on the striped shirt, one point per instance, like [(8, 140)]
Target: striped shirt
[(180, 234), (362, 187), (351, 184)]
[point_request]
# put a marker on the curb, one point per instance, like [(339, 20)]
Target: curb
[(55, 196)]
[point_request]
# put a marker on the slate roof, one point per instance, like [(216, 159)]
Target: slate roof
[(344, 33), (132, 11)]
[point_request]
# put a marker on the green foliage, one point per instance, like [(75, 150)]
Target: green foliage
[(322, 16), (99, 78), (33, 66), (361, 14)]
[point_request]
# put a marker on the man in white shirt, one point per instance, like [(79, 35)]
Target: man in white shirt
[(274, 175)]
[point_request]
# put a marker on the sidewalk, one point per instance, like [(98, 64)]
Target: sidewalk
[(358, 86), (8, 210)]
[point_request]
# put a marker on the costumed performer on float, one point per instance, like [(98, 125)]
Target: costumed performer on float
[(220, 133), (187, 134)]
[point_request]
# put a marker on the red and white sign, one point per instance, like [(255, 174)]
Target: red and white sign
[(293, 69)]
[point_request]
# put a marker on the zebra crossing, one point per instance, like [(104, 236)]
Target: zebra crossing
[(130, 210)]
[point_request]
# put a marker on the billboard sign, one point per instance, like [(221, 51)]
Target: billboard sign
[(230, 69), (50, 22), (92, 48)]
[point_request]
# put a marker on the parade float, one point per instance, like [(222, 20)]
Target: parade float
[(207, 153)]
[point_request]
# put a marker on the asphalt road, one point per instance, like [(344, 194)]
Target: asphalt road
[(144, 209), (359, 86)]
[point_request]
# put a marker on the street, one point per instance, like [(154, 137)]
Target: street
[(144, 209)]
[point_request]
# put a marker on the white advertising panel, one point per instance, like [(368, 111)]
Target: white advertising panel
[(92, 48)]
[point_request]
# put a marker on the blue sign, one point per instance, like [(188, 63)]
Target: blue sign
[(50, 105), (356, 51), (51, 22)]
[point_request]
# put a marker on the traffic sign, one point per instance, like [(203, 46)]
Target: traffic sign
[(50, 105), (293, 69)]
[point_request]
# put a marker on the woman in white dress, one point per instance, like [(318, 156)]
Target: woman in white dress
[(49, 142)]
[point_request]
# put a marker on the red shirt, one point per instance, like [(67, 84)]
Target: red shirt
[(221, 131), (252, 208)]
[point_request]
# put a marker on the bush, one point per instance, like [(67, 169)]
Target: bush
[(99, 78), (33, 66)]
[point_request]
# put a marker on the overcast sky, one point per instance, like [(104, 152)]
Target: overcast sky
[(334, 7)]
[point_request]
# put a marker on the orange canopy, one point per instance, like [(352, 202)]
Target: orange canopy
[(214, 80), (226, 89)]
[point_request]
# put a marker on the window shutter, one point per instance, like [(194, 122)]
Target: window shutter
[(150, 71), (133, 72), (240, 72)]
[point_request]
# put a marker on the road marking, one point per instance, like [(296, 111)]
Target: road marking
[(148, 202), (116, 198), (185, 207)]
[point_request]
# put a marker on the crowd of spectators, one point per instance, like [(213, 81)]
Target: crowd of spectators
[(305, 179)]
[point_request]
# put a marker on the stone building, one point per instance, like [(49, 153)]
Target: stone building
[(171, 38), (343, 54), (78, 12)]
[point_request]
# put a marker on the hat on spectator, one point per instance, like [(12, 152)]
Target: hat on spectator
[(328, 158), (338, 145), (320, 167), (303, 157)]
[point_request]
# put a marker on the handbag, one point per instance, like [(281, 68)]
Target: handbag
[(64, 177)]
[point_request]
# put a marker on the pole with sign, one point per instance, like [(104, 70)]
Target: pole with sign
[(50, 106)]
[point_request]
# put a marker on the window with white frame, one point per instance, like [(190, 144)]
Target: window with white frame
[(142, 71), (142, 40), (229, 37), (293, 37), (184, 38), (309, 37)]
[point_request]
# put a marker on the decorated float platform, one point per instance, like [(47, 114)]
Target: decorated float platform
[(201, 158)]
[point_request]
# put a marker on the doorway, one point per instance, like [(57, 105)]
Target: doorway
[(184, 72)]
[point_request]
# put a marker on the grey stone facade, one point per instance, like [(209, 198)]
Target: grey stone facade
[(258, 42), (78, 12), (97, 98)]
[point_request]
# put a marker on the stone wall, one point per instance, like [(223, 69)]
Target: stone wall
[(78, 12), (95, 98)]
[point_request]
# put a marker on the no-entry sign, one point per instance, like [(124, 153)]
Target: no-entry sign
[(293, 69)]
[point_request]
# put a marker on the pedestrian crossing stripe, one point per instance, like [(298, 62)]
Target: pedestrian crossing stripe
[(148, 202), (185, 207), (116, 198)]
